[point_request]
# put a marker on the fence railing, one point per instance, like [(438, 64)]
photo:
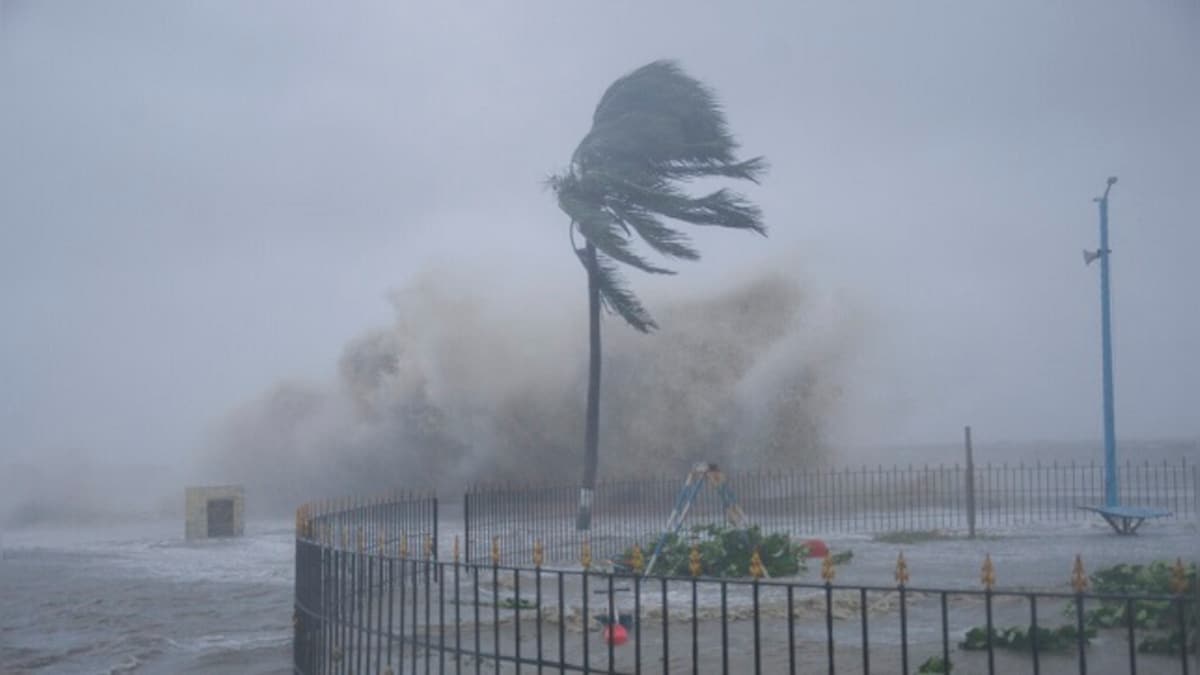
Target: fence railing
[(374, 522), (823, 501), (335, 536), (398, 609)]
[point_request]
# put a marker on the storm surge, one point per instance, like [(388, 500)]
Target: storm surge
[(462, 388)]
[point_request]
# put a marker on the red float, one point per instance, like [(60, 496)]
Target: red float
[(615, 634), (816, 548)]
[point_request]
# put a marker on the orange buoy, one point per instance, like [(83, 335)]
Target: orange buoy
[(816, 548), (615, 634)]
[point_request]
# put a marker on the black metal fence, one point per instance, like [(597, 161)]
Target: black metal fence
[(825, 501), (395, 520), (395, 608), (340, 546)]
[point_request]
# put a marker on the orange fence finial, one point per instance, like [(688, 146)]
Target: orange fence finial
[(828, 570), (901, 570), (694, 564), (987, 574), (1079, 578), (756, 565), (1179, 577)]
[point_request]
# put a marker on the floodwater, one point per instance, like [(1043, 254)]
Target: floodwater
[(139, 599)]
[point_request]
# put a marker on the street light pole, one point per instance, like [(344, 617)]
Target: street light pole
[(1110, 440)]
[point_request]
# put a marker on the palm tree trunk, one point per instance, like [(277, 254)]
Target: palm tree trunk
[(591, 450)]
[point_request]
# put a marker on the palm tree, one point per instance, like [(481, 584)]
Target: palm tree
[(653, 131)]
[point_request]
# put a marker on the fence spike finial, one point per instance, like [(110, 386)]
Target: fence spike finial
[(585, 554), (1179, 577), (694, 564), (539, 553), (828, 569), (636, 560), (756, 565), (495, 550), (1079, 578), (987, 574), (901, 570)]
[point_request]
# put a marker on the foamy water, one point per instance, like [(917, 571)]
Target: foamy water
[(138, 598)]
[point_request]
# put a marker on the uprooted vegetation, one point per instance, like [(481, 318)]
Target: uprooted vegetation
[(1159, 625), (725, 552)]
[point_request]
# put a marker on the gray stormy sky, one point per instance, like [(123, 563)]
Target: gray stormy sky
[(200, 198)]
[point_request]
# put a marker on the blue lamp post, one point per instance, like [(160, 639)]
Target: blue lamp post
[(1110, 433), (1124, 519)]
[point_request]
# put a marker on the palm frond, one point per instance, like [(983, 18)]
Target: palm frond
[(604, 230), (616, 297), (750, 169), (680, 111), (669, 242), (723, 208), (653, 130)]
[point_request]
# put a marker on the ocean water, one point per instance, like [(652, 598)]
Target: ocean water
[(138, 598)]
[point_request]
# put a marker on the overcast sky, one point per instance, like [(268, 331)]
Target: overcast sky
[(198, 199)]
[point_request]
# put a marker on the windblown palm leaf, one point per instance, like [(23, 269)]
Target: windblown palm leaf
[(653, 131)]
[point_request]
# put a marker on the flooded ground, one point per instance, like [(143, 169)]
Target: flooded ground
[(139, 599)]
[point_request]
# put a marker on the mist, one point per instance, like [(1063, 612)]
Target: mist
[(308, 248), (457, 390)]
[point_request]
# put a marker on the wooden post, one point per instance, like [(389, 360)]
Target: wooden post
[(970, 484)]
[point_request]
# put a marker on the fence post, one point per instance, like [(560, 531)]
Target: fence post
[(437, 571), (467, 526), (970, 484)]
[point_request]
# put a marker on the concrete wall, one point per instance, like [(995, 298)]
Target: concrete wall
[(196, 510)]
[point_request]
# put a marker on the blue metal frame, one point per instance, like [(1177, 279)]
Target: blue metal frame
[(699, 475)]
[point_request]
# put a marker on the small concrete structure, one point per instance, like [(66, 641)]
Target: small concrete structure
[(214, 511)]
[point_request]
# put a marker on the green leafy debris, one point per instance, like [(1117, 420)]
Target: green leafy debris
[(726, 551), (1157, 621), (935, 665), (1021, 638)]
